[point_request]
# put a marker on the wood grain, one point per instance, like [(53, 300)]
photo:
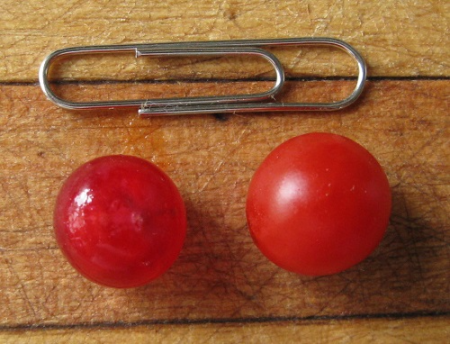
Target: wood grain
[(220, 273), (407, 38), (377, 331)]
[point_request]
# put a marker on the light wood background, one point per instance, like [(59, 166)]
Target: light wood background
[(222, 289)]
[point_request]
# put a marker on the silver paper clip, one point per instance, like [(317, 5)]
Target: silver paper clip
[(258, 102)]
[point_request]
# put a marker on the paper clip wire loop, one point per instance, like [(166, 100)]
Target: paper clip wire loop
[(258, 102)]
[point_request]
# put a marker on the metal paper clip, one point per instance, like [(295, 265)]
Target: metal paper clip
[(258, 102)]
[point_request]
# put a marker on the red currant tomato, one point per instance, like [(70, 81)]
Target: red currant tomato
[(318, 204), (120, 221)]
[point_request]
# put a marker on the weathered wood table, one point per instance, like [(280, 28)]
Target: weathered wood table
[(221, 289)]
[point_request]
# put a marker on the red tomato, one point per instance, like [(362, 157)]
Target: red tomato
[(318, 204), (120, 221)]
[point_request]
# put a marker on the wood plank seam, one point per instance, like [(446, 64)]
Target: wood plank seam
[(262, 320)]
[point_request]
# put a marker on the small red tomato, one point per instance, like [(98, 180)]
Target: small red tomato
[(318, 204), (120, 221)]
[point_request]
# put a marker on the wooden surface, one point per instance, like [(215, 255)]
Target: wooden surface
[(222, 289)]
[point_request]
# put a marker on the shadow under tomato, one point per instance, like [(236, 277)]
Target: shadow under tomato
[(221, 274)]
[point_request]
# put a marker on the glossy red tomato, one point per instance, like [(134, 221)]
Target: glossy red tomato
[(318, 204), (120, 221)]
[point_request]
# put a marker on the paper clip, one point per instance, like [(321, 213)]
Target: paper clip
[(258, 102)]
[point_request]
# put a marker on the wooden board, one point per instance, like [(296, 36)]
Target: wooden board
[(222, 289), (378, 331), (407, 38)]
